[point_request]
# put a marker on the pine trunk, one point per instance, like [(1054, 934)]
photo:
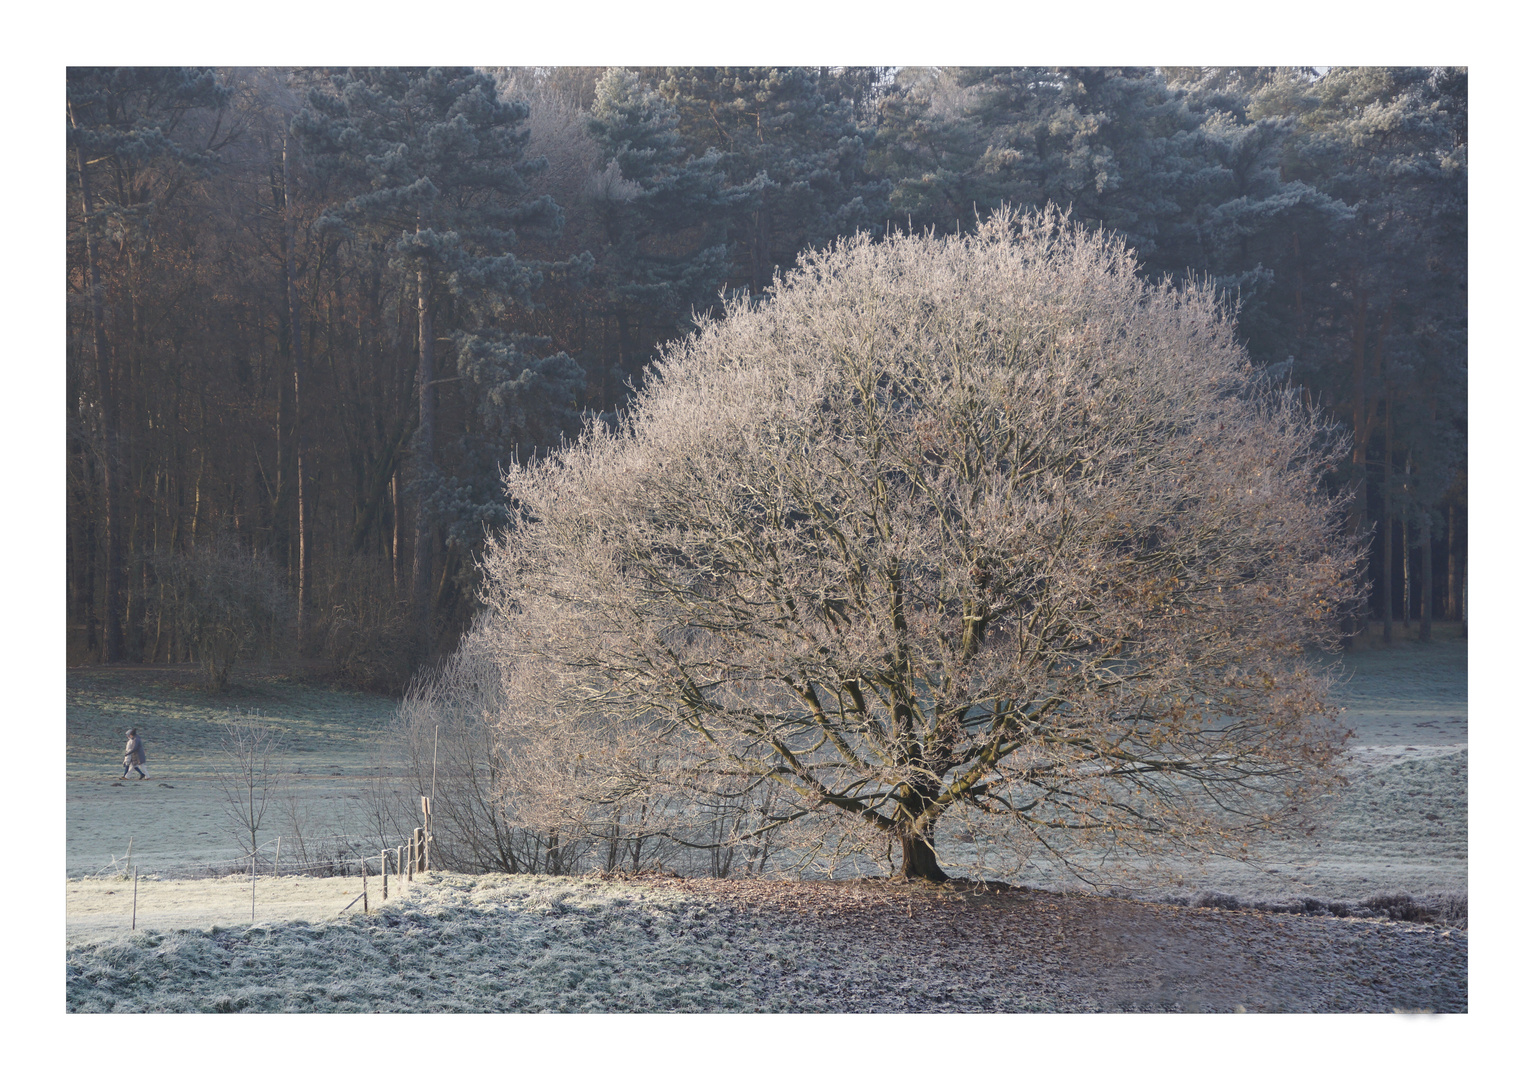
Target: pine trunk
[(1389, 572), (296, 348), (397, 538), (87, 594), (1426, 632), (421, 567), (1388, 593), (112, 648), (1450, 566)]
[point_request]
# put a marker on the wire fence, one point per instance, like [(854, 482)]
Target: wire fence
[(407, 858), (344, 850)]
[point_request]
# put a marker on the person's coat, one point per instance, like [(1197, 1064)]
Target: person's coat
[(133, 753)]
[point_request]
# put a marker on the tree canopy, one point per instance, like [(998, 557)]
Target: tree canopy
[(982, 525), (317, 311)]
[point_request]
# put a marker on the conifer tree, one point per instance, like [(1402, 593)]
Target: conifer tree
[(923, 146), (804, 152), (1253, 230), (126, 166), (1110, 143), (434, 164), (1386, 342), (665, 214)]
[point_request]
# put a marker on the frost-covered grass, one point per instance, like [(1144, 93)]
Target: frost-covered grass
[(1400, 827), (497, 943), (101, 908), (488, 944), (176, 819)]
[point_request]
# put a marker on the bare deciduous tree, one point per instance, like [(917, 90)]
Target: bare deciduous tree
[(249, 775), (980, 525), (226, 605)]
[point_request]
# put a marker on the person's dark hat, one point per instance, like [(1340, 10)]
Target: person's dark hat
[(132, 731)]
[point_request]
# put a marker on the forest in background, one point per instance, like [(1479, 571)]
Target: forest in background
[(312, 314)]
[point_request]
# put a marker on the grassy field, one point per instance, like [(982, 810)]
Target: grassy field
[(489, 943), (1400, 826), (502, 944), (175, 819)]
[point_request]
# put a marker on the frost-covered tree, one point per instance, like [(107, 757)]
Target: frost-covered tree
[(981, 526), (432, 166), (801, 150), (664, 213)]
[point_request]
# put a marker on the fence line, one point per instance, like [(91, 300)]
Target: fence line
[(237, 863), (410, 856)]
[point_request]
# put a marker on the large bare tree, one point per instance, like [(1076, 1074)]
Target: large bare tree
[(981, 525)]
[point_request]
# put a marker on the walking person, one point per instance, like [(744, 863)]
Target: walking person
[(133, 755)]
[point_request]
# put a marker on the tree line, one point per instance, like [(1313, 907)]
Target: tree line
[(314, 314)]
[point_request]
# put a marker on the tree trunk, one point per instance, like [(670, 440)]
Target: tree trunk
[(918, 858), (296, 349), (421, 567), (1365, 406), (1387, 580), (87, 593), (112, 586), (397, 538), (1388, 627), (1450, 569), (282, 503), (1426, 532)]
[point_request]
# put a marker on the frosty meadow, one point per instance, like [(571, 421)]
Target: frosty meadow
[(970, 554)]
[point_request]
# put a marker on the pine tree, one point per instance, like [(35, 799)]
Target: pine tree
[(925, 146), (1111, 144), (1389, 143), (1255, 232), (665, 215), (805, 153), (435, 163), (127, 166)]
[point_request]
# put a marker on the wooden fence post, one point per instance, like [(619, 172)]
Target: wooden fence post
[(419, 843), (399, 864), (426, 831), (278, 861), (135, 901), (364, 886), (383, 864)]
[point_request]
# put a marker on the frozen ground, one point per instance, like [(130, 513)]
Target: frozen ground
[(494, 943), (1400, 826), (175, 820)]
